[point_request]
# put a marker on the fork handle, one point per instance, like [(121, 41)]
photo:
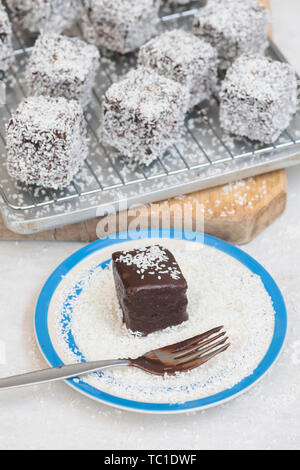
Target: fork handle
[(58, 373)]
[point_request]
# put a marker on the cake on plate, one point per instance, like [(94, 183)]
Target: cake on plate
[(151, 289)]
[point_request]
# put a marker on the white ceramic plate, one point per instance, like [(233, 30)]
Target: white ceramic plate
[(52, 348)]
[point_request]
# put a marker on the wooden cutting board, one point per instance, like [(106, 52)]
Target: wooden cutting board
[(235, 212)]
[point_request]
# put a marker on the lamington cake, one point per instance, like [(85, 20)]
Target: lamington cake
[(44, 15), (46, 141), (233, 27), (120, 25), (143, 115), (151, 289), (258, 98), (183, 57), (62, 66), (6, 49)]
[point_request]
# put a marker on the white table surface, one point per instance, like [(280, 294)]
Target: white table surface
[(55, 416)]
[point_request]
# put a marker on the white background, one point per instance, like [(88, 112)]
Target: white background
[(55, 416)]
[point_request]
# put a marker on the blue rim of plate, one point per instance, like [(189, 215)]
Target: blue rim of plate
[(50, 354)]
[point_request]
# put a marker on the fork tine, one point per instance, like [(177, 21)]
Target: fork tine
[(191, 353), (198, 352), (185, 351), (199, 361), (193, 341)]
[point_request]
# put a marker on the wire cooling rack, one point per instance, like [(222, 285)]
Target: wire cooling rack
[(204, 157)]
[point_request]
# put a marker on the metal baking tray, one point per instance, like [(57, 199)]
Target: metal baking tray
[(203, 158)]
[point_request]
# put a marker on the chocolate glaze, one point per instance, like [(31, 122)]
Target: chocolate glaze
[(151, 289)]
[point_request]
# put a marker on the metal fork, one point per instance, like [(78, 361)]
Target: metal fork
[(179, 357)]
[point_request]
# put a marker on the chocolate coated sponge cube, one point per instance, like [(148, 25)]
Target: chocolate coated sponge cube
[(151, 289)]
